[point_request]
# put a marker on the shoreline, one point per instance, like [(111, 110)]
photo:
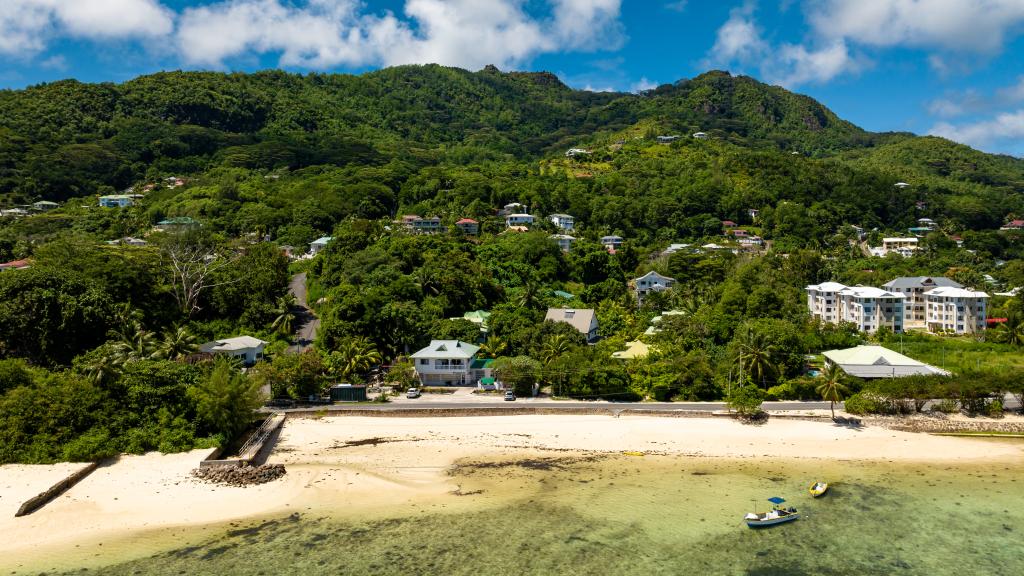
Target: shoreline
[(369, 466)]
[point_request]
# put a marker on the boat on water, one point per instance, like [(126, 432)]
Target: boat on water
[(818, 489), (777, 515)]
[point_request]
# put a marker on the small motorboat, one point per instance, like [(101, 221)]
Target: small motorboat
[(777, 515), (818, 489)]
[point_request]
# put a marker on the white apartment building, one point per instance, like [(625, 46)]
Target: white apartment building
[(823, 301), (955, 310), (871, 308), (914, 287), (866, 307)]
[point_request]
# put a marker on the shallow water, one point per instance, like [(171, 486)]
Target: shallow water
[(563, 514)]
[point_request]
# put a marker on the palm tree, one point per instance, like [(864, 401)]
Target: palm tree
[(493, 347), (1011, 331), (177, 344), (285, 320), (757, 357), (104, 366), (356, 355), (555, 347), (135, 343), (530, 295), (831, 387)]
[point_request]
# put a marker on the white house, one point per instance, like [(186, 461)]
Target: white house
[(249, 349), (584, 320), (651, 282), (700, 135), (955, 310), (450, 363), (319, 244), (913, 288), (667, 139), (612, 242), (673, 248), (574, 152), (563, 221), (128, 241), (518, 220), (44, 205), (878, 362), (564, 241)]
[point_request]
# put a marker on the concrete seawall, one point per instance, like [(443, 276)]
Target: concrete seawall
[(253, 449), (43, 498)]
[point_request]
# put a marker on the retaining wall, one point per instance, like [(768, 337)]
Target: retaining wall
[(250, 454), (42, 499)]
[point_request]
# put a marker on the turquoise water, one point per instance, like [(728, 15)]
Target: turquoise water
[(645, 515)]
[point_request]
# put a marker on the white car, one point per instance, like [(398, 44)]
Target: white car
[(413, 393)]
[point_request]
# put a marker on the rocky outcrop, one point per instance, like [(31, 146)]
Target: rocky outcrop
[(240, 475)]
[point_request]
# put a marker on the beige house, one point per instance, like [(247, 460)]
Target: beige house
[(584, 320)]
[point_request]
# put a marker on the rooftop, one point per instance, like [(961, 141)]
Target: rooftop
[(232, 344), (447, 349), (952, 292), (920, 282), (879, 362)]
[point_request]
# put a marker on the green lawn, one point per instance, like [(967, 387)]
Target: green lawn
[(960, 354)]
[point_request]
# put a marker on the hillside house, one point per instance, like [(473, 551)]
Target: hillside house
[(612, 243), (246, 348), (319, 244), (176, 224), (903, 246), (651, 282), (518, 220), (728, 225), (667, 139), (128, 241), (953, 310), (564, 241), (16, 265), (700, 135), (118, 200), (1013, 225), (913, 288), (563, 221), (584, 320), (44, 206), (450, 363), (468, 226), (576, 152)]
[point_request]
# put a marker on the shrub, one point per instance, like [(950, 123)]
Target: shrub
[(946, 406), (746, 400), (995, 408), (782, 391), (864, 403)]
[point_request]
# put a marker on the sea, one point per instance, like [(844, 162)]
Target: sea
[(623, 514)]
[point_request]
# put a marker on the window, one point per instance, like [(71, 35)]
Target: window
[(424, 362)]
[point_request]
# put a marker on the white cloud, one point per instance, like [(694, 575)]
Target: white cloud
[(643, 85), (27, 26), (740, 42), (1014, 93), (979, 26), (677, 5), (739, 39), (325, 33), (1004, 129)]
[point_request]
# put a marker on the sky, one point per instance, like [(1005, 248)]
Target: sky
[(953, 68)]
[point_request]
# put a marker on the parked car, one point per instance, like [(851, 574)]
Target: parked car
[(413, 393), (510, 396)]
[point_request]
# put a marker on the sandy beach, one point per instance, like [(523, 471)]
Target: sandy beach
[(373, 464)]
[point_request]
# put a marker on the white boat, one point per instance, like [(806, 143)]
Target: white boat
[(777, 515)]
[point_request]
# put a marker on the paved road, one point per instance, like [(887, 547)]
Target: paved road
[(306, 321), (563, 405)]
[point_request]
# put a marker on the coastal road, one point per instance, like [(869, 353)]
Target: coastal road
[(568, 406), (306, 321)]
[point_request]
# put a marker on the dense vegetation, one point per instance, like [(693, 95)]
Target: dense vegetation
[(101, 337)]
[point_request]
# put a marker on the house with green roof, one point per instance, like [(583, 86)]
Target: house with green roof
[(450, 363), (176, 224)]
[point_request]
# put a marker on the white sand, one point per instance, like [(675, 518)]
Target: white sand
[(140, 493), (21, 482)]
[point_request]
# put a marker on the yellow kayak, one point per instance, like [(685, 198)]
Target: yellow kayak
[(818, 489)]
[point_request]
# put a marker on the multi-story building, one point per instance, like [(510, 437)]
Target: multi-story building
[(871, 308), (651, 282), (823, 301), (902, 246), (913, 288), (450, 363), (518, 220), (955, 310), (564, 241), (866, 307)]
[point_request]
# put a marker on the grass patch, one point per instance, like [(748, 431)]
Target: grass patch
[(960, 354)]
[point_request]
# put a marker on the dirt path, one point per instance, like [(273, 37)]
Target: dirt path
[(306, 320)]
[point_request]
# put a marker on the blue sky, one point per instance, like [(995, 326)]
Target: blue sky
[(949, 67)]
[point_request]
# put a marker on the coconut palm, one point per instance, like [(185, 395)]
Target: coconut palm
[(285, 320), (831, 386), (554, 347), (104, 366), (177, 344), (135, 343), (756, 357), (355, 355), (1011, 331), (493, 347)]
